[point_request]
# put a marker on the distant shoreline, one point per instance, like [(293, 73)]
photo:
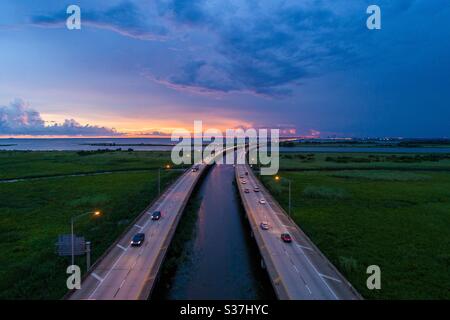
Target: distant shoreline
[(127, 144)]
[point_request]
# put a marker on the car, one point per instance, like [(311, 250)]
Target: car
[(262, 201), (243, 181), (138, 240), (265, 225), (256, 189), (195, 169), (241, 176), (246, 173), (156, 215), (247, 190), (286, 237)]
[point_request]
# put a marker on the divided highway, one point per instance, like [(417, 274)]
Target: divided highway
[(129, 273), (298, 270)]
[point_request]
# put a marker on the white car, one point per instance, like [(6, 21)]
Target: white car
[(265, 225), (262, 201), (244, 181)]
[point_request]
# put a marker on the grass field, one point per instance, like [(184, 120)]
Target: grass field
[(24, 164), (338, 161), (396, 219), (34, 212)]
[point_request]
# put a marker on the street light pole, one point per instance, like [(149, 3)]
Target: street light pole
[(73, 241), (72, 220), (289, 197), (159, 181), (277, 178)]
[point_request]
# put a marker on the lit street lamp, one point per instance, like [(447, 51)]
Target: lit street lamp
[(278, 178), (72, 220)]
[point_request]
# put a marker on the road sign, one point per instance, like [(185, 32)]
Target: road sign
[(64, 245)]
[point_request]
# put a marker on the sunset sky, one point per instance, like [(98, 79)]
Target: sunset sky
[(149, 66)]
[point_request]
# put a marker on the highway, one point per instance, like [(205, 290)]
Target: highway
[(298, 270), (129, 273)]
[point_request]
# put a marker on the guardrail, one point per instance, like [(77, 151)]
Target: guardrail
[(275, 279)]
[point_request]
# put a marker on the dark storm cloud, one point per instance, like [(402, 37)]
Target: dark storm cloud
[(126, 19)]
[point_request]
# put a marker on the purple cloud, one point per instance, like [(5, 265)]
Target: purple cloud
[(18, 119)]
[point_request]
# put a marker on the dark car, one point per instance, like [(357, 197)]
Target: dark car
[(156, 215), (286, 237), (246, 173), (247, 190), (138, 240)]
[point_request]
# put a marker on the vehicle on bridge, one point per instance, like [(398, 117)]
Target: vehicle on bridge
[(256, 189), (138, 240), (286, 237), (262, 201), (265, 225), (156, 215)]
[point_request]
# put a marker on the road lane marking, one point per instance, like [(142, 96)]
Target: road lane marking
[(96, 276), (122, 247), (138, 226), (329, 277), (296, 269), (172, 193), (308, 289), (278, 221), (319, 274), (307, 248)]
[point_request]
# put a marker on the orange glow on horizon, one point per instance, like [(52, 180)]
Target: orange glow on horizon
[(139, 128)]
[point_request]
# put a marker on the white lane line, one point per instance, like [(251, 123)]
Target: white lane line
[(331, 278), (96, 276), (120, 257), (122, 247), (307, 248), (107, 274), (319, 274), (295, 268), (306, 257), (138, 226), (308, 289)]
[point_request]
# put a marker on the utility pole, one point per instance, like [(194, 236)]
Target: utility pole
[(88, 255), (73, 241), (159, 181), (289, 197)]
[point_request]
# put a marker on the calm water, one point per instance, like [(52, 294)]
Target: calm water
[(224, 261), (83, 144), (161, 144)]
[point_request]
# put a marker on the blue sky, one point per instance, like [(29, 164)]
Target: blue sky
[(151, 66)]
